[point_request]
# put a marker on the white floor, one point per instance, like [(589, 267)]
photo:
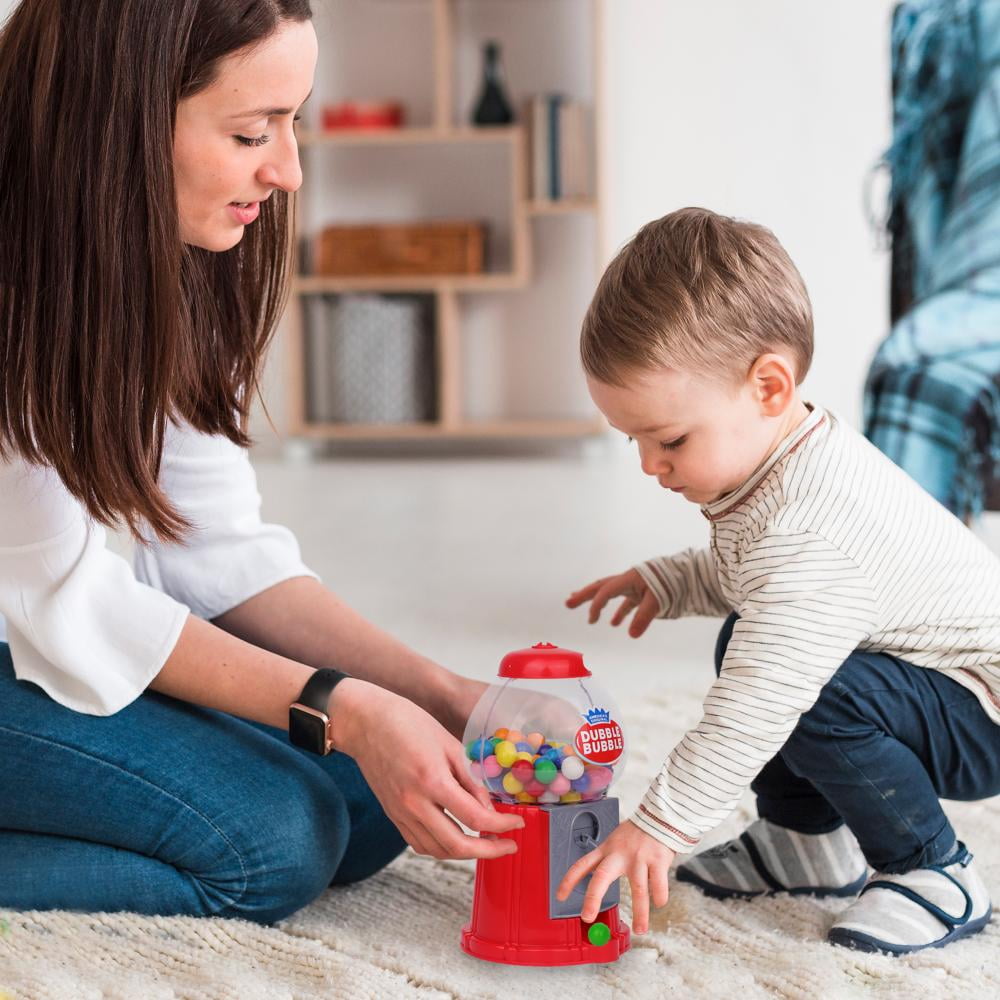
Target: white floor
[(467, 559)]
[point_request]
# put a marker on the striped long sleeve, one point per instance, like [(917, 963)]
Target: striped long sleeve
[(686, 584), (807, 607)]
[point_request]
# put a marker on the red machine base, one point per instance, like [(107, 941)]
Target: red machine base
[(510, 912)]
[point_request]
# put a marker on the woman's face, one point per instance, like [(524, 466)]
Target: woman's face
[(233, 141)]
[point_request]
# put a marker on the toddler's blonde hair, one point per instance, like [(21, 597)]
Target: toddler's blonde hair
[(701, 293)]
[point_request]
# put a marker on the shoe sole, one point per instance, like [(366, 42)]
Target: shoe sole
[(718, 892), (864, 942)]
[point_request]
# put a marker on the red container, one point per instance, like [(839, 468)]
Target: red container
[(510, 911), (362, 114)]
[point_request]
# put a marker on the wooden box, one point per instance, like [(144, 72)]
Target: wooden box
[(405, 249)]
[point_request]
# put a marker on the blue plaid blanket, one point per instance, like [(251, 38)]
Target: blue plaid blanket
[(932, 398)]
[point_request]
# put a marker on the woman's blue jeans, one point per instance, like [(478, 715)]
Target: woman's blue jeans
[(883, 742), (166, 808)]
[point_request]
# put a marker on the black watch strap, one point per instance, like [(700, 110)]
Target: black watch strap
[(308, 716)]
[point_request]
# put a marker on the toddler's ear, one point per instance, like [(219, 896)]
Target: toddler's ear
[(772, 378)]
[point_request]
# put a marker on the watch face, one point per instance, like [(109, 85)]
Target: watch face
[(307, 730)]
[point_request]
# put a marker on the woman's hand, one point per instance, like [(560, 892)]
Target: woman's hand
[(417, 771), (627, 851), (635, 593)]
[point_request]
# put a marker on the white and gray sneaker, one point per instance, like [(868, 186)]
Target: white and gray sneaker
[(767, 858), (925, 908)]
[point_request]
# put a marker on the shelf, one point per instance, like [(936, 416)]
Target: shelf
[(417, 136), (565, 206), (496, 429), (320, 285)]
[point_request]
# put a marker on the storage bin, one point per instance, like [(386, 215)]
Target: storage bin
[(370, 358)]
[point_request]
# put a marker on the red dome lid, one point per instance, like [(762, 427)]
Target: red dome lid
[(543, 661)]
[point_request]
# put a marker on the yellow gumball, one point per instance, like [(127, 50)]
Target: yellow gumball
[(512, 786), (506, 753), (523, 755), (568, 797), (525, 798)]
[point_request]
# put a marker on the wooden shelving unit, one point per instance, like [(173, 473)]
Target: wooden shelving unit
[(452, 420)]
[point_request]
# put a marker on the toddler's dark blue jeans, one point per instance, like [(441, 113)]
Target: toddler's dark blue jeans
[(166, 808), (884, 741)]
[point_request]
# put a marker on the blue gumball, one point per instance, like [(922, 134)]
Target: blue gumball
[(581, 784), (523, 747), (479, 749), (544, 749)]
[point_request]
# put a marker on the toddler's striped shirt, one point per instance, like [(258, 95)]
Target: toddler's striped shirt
[(828, 547)]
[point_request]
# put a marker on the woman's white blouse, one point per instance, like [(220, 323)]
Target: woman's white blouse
[(89, 629)]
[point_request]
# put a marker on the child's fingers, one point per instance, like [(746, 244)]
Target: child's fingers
[(623, 609), (648, 609), (608, 590), (577, 871), (604, 875), (659, 884), (583, 594), (639, 880)]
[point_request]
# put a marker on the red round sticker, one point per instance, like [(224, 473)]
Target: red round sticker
[(600, 742)]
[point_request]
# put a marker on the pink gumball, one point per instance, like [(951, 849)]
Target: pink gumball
[(476, 770), (534, 787), (600, 777), (560, 784), (491, 767)]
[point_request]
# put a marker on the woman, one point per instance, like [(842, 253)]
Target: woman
[(147, 152)]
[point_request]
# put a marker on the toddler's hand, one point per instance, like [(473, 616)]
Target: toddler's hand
[(628, 851), (628, 585)]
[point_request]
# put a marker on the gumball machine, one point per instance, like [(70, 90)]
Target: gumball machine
[(546, 741)]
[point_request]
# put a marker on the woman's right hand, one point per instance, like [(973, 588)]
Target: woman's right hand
[(628, 585), (417, 770)]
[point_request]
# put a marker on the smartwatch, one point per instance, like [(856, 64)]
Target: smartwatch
[(309, 718)]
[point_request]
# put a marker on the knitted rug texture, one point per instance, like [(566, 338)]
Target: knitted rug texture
[(396, 935)]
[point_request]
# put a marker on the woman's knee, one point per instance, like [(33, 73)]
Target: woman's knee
[(286, 852)]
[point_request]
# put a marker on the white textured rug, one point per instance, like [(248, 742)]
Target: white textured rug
[(396, 935)]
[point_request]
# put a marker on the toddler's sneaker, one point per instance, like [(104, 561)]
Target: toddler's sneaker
[(926, 908), (767, 858)]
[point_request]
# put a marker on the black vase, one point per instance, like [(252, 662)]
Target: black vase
[(493, 107)]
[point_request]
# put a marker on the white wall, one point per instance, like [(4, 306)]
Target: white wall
[(772, 111)]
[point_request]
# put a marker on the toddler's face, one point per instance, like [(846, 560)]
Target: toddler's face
[(697, 437)]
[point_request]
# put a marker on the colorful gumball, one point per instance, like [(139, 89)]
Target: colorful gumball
[(506, 753), (523, 770), (511, 785), (570, 797), (515, 735), (501, 733), (581, 784), (476, 770), (524, 797), (524, 746), (548, 797), (534, 787), (572, 767), (479, 749), (559, 784), (536, 740), (524, 755), (545, 748), (491, 767), (545, 770), (600, 777)]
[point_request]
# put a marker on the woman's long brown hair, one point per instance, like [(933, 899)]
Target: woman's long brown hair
[(110, 326)]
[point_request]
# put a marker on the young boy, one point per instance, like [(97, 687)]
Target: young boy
[(859, 665)]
